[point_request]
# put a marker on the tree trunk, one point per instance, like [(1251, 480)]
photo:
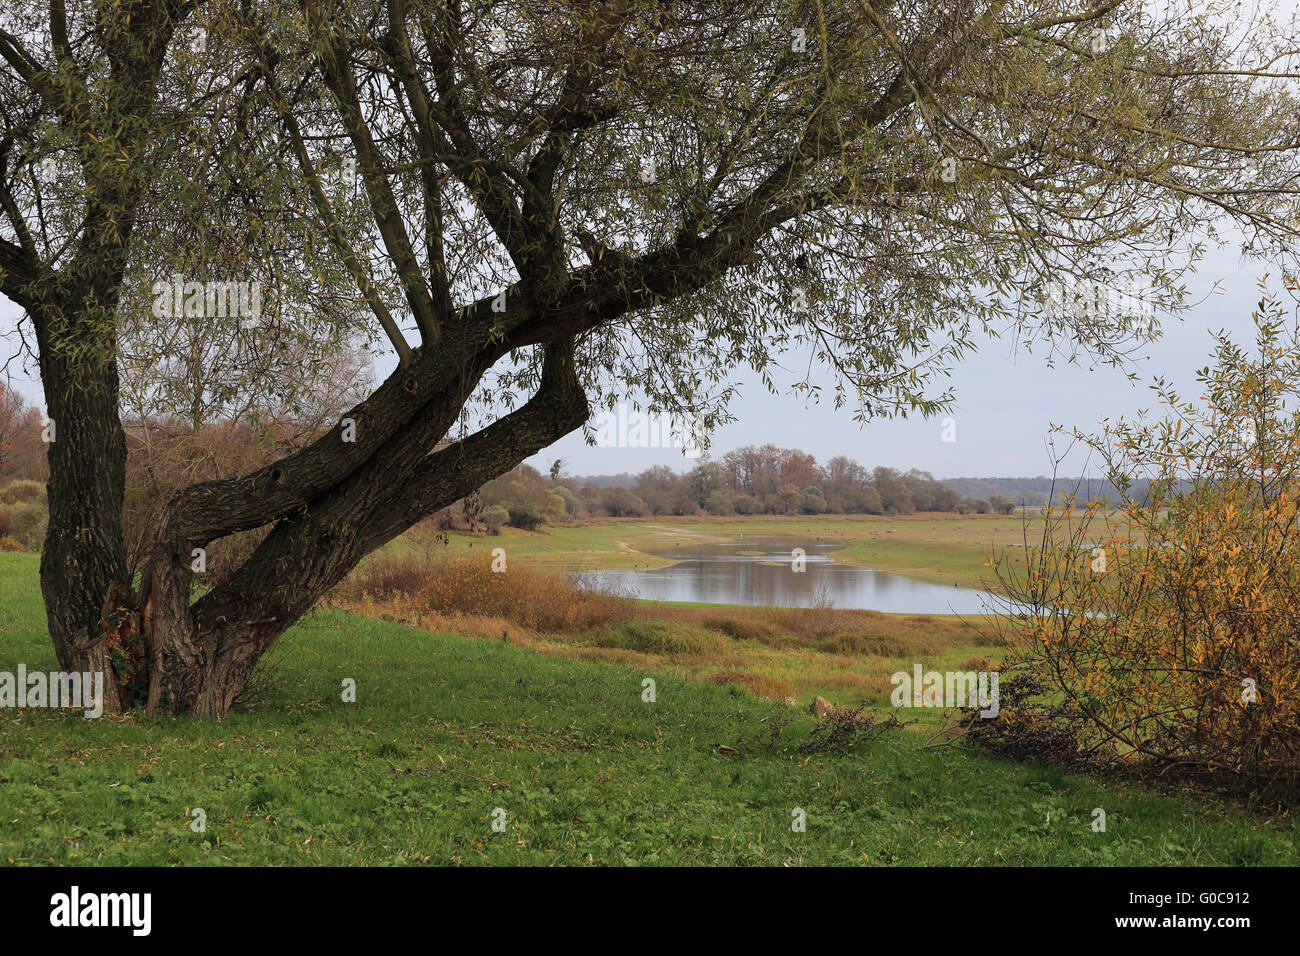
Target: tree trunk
[(84, 577), (199, 656)]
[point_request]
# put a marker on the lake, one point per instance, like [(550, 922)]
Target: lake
[(758, 570)]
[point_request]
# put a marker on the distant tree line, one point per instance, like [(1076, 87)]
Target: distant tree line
[(753, 480)]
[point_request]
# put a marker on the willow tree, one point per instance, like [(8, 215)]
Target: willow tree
[(563, 203)]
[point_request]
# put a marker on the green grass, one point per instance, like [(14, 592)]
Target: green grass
[(448, 728)]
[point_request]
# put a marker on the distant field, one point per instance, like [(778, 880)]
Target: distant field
[(447, 729), (948, 548)]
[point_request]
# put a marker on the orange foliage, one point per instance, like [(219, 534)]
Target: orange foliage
[(1164, 625), (541, 600)]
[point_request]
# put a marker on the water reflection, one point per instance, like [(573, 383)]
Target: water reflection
[(758, 570)]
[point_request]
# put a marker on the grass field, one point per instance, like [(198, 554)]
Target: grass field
[(948, 548), (446, 729)]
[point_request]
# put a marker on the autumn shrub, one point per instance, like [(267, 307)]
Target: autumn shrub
[(165, 456), (541, 600), (28, 524), (814, 621), (16, 492), (9, 543), (495, 518), (1160, 628), (388, 576)]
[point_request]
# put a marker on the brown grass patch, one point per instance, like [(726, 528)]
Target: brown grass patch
[(21, 492), (551, 612), (748, 629), (808, 623), (869, 684), (760, 685), (814, 627), (540, 600), (880, 645), (662, 637)]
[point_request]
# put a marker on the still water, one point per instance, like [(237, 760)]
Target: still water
[(758, 570)]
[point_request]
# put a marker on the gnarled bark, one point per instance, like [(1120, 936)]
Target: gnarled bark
[(201, 655)]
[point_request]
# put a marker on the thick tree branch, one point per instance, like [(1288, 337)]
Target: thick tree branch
[(557, 407)]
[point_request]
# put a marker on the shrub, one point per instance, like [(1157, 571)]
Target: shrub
[(28, 524), (541, 600), (495, 518), (10, 543), (526, 517), (6, 519), (386, 576), (620, 502), (1162, 632), (521, 489), (684, 505), (814, 621), (572, 506), (165, 456), (719, 503), (21, 491), (1002, 505)]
